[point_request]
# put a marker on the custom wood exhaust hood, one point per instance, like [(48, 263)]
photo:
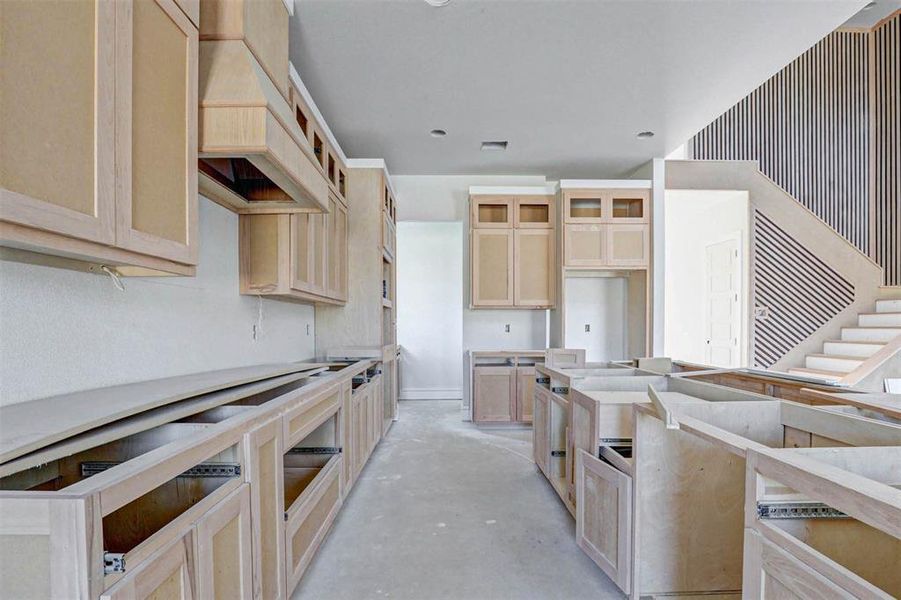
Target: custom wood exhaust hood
[(251, 154)]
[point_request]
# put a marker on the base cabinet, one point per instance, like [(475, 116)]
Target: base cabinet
[(168, 574), (224, 549), (494, 394)]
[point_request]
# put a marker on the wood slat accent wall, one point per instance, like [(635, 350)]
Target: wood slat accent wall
[(887, 66), (826, 129)]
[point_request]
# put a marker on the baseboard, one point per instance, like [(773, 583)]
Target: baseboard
[(431, 394)]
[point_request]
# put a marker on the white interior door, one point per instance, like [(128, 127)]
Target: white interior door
[(596, 317), (722, 303)]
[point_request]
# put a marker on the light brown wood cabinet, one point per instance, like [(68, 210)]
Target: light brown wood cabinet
[(606, 228), (295, 256), (541, 429), (169, 573), (503, 394), (109, 175), (513, 258)]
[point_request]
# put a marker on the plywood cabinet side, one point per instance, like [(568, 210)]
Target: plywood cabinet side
[(156, 130), (541, 429)]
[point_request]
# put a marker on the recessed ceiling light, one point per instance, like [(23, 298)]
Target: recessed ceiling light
[(645, 134), (438, 3), (869, 6), (437, 133), (501, 145)]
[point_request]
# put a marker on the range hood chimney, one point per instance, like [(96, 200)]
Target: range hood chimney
[(250, 155)]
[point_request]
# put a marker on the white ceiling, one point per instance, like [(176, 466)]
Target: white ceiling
[(568, 82), (869, 17)]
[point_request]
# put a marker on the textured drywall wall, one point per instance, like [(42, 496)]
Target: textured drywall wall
[(62, 330)]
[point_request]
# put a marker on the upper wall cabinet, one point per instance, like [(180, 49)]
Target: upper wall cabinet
[(98, 128), (326, 159), (513, 260), (606, 228)]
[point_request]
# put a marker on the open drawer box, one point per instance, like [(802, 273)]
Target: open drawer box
[(684, 484), (823, 522)]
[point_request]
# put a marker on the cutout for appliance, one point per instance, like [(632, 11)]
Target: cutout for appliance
[(243, 178), (494, 146)]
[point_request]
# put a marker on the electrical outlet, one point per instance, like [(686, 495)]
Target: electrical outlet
[(507, 328), (308, 329), (587, 328)]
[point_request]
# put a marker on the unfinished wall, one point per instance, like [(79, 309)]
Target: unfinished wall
[(62, 331)]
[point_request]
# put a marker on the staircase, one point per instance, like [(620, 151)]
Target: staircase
[(839, 357)]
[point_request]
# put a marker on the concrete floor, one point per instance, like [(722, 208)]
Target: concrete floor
[(446, 510)]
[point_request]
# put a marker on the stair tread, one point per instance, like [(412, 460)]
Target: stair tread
[(873, 326), (855, 342), (839, 357), (805, 370), (881, 313)]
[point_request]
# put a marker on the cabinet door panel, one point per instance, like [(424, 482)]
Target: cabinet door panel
[(604, 517), (224, 566), (627, 245), (308, 252), (57, 151), (267, 497), (337, 250), (156, 130), (585, 245), (168, 574), (493, 393), (525, 393), (535, 265), (492, 267)]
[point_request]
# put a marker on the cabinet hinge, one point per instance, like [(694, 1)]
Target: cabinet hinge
[(113, 562)]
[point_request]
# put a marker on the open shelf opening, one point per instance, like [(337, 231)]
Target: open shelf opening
[(318, 149), (628, 208), (134, 523), (244, 179), (332, 172), (586, 208), (534, 213), (302, 120), (305, 461), (493, 213), (342, 182)]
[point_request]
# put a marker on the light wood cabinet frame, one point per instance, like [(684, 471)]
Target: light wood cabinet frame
[(642, 195), (223, 557), (541, 429), (507, 203), (585, 245), (522, 202), (128, 235), (574, 196), (525, 393)]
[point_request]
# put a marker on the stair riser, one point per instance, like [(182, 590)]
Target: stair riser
[(823, 363), (869, 335), (859, 350), (880, 320), (888, 306)]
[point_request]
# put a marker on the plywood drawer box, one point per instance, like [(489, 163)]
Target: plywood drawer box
[(114, 177), (310, 413), (811, 555), (312, 497)]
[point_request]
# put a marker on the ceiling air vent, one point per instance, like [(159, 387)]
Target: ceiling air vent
[(494, 145)]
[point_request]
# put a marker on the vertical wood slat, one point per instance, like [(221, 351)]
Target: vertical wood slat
[(887, 66)]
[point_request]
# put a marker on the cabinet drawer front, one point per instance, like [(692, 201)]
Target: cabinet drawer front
[(604, 517), (224, 565), (166, 574), (309, 520), (301, 420), (585, 245)]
